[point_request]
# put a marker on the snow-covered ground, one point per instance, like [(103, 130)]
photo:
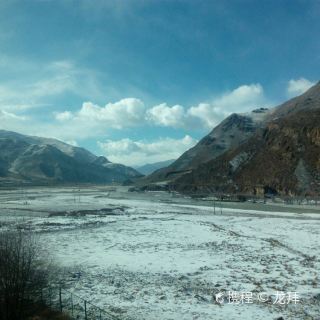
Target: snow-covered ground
[(154, 259)]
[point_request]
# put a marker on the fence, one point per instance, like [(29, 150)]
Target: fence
[(76, 307)]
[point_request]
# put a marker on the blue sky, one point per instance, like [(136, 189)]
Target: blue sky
[(142, 81)]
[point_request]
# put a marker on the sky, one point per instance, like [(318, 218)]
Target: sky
[(141, 81)]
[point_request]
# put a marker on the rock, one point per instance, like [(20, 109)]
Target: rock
[(200, 298), (317, 297)]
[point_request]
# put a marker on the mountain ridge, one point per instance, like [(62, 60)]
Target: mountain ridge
[(149, 168), (231, 132), (44, 160)]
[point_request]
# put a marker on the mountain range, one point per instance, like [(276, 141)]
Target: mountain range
[(264, 151), (38, 160)]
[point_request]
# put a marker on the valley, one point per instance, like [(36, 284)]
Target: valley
[(145, 254)]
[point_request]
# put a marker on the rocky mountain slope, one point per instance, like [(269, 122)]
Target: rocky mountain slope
[(42, 160), (265, 151), (281, 157), (228, 134), (308, 101)]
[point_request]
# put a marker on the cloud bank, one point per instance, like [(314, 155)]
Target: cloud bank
[(139, 152), (132, 112)]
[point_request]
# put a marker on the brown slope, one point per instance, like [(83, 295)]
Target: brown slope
[(308, 101), (283, 158)]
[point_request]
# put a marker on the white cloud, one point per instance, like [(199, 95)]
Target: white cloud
[(164, 115), (207, 114), (92, 119), (124, 113), (4, 115), (72, 142), (298, 86), (242, 99), (63, 116), (140, 152)]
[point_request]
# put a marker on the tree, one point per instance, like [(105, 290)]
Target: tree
[(23, 272)]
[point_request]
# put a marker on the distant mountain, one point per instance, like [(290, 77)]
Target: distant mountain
[(151, 167), (265, 151), (42, 160), (281, 157)]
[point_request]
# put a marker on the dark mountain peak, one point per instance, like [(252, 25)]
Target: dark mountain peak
[(234, 118), (241, 121), (231, 132)]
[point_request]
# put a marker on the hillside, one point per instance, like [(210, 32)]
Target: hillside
[(42, 160), (228, 134), (265, 151), (281, 159)]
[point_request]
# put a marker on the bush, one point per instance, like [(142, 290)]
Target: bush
[(23, 272)]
